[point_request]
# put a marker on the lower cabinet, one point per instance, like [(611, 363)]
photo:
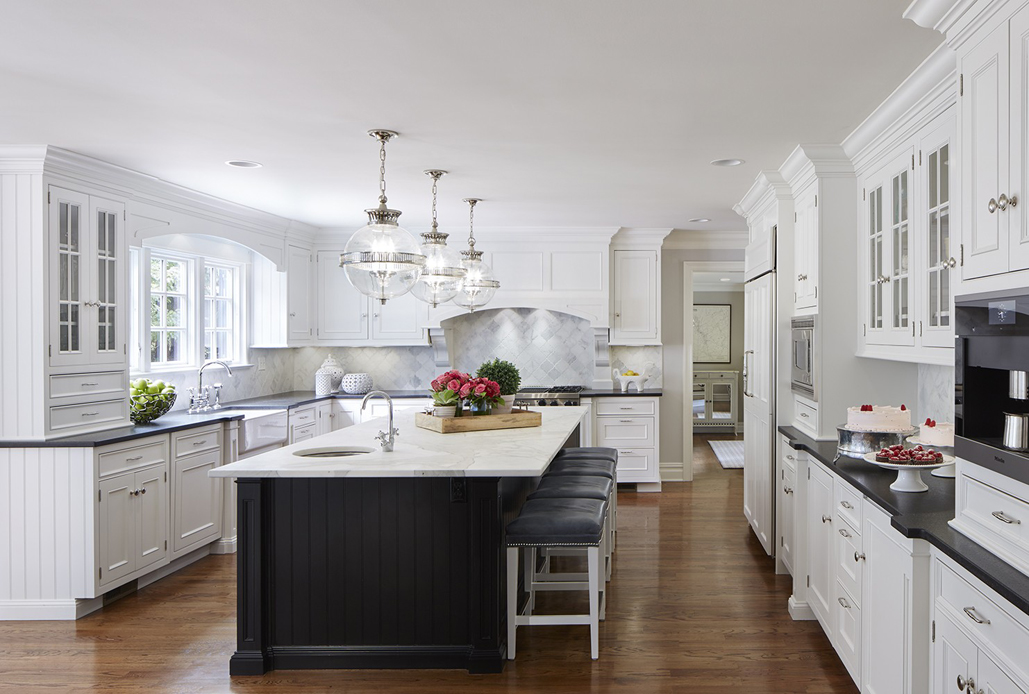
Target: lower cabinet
[(630, 425), (197, 507), (303, 423), (133, 523), (980, 641), (818, 530), (786, 527)]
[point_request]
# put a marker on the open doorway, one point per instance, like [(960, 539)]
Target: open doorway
[(713, 334)]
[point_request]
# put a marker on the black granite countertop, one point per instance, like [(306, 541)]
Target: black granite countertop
[(173, 421), (924, 515), (296, 398), (617, 393)]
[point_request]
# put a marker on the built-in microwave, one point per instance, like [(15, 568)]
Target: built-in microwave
[(802, 380)]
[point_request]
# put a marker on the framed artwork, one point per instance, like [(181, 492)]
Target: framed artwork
[(712, 333)]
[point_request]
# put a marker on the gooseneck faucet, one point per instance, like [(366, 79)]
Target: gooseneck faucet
[(386, 440), (200, 398)]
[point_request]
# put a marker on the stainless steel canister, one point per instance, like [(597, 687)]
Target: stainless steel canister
[(1016, 431), (1018, 385)]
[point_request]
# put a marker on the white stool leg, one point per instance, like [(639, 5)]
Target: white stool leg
[(605, 552), (512, 600), (530, 577), (614, 515), (593, 559)]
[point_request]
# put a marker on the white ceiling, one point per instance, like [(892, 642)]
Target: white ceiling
[(716, 281), (570, 113)]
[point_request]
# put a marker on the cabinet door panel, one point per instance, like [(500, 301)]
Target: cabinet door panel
[(298, 293), (885, 604), (1018, 220), (991, 679), (954, 656), (117, 527), (399, 320), (984, 152), (820, 556), (152, 516), (847, 617), (70, 270), (342, 310), (758, 436), (635, 305), (197, 500), (108, 315), (938, 260)]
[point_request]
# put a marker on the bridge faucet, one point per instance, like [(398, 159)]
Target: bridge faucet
[(200, 399), (385, 439)]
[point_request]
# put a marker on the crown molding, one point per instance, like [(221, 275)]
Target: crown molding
[(808, 162), (949, 17), (683, 240), (22, 159), (500, 236), (768, 186), (926, 92), (636, 237)]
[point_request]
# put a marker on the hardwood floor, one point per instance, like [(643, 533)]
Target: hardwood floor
[(694, 606)]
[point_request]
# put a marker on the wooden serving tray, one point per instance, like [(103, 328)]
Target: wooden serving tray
[(517, 419)]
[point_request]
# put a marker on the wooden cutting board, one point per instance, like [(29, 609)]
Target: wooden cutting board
[(517, 419)]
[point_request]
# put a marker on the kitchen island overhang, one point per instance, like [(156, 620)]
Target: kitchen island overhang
[(384, 560)]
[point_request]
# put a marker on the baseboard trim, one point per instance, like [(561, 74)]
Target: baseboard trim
[(476, 661), (48, 610), (226, 545), (173, 566), (673, 472), (800, 611)]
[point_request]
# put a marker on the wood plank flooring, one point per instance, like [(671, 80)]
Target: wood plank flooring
[(694, 607)]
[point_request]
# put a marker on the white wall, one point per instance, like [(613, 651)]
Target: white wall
[(734, 299)]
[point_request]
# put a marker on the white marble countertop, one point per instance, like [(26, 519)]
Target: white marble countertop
[(421, 453)]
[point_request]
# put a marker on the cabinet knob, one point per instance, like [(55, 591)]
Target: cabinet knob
[(991, 206), (1003, 202), (827, 519), (962, 683), (292, 315), (859, 557), (801, 278), (949, 263), (787, 490), (618, 315)]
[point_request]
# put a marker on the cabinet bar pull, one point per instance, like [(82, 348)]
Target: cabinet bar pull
[(90, 414), (89, 384), (200, 443), (625, 408), (846, 504), (827, 519), (1005, 518), (625, 421), (789, 457), (844, 603), (135, 457), (804, 415), (970, 611), (843, 531)]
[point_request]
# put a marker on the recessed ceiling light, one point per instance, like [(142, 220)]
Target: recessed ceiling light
[(700, 220), (727, 162), (727, 279), (244, 164)]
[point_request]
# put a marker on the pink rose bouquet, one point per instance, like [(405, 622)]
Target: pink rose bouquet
[(481, 391), (447, 388)]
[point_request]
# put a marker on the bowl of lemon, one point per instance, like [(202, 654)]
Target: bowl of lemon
[(630, 377), (148, 400)]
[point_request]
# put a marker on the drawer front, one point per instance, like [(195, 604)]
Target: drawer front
[(72, 385), (789, 456), (138, 454), (626, 432), (635, 459), (848, 503), (982, 616), (849, 557), (302, 416), (196, 441), (804, 415), (997, 511), (87, 414), (625, 406), (305, 433), (789, 480)]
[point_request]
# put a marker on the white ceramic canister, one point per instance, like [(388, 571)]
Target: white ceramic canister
[(332, 366)]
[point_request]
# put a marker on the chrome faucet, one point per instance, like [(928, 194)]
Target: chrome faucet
[(200, 397), (386, 440)]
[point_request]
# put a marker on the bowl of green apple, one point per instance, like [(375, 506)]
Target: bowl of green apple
[(148, 400)]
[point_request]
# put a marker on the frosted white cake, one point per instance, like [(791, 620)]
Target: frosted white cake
[(879, 418), (939, 435)]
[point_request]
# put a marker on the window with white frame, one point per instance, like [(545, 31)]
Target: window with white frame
[(187, 309)]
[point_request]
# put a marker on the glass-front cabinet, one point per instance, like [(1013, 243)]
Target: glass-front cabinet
[(936, 327), (87, 284), (715, 400), (887, 249)]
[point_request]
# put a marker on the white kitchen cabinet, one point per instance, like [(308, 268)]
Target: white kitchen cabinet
[(347, 317), (379, 408), (636, 304), (196, 498), (786, 506), (325, 416), (303, 423), (133, 522), (345, 413), (806, 242), (759, 488), (630, 425), (715, 400), (299, 262), (818, 528), (937, 262)]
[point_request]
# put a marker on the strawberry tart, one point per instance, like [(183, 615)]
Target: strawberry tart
[(933, 434), (878, 418), (898, 455)]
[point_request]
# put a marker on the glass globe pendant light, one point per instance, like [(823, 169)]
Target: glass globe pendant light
[(382, 259), (478, 285), (443, 269)]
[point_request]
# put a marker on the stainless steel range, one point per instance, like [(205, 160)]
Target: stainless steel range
[(548, 396)]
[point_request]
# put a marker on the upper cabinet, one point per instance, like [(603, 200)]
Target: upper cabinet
[(636, 289), (299, 319), (88, 267), (806, 243), (906, 201)]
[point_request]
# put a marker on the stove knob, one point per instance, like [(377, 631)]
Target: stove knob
[(541, 403), (569, 404), (554, 403)]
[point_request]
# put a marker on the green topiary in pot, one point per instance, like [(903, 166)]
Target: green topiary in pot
[(504, 373)]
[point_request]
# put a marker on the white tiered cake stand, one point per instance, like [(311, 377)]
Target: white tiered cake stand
[(909, 477), (947, 471)]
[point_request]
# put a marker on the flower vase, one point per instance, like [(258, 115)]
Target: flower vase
[(445, 410), (476, 409), (505, 408)]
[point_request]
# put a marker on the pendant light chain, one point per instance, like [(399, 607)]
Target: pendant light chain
[(382, 168), (471, 224), (435, 180)]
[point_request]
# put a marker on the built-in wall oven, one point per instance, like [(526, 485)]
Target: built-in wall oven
[(803, 358)]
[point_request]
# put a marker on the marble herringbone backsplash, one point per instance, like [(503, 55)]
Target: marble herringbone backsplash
[(391, 368), (548, 348), (250, 382)]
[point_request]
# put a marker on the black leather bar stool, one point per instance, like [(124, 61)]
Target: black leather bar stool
[(545, 523), (591, 452), (578, 467), (573, 487)]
